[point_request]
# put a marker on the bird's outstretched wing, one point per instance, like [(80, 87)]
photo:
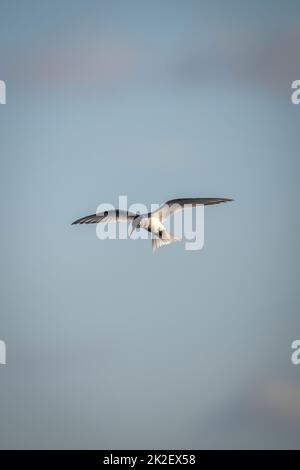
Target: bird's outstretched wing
[(174, 205), (107, 216)]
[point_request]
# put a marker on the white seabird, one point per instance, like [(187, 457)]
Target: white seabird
[(152, 221)]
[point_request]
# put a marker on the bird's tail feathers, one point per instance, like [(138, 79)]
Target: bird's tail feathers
[(159, 242)]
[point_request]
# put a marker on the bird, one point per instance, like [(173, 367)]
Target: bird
[(151, 221)]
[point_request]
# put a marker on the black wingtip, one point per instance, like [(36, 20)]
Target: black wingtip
[(76, 222)]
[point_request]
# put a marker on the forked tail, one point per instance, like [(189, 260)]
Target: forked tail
[(158, 242)]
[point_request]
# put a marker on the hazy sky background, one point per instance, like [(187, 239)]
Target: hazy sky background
[(108, 345)]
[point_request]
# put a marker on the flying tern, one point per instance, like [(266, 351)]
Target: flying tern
[(152, 221)]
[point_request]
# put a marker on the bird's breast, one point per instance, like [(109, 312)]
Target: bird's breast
[(152, 224)]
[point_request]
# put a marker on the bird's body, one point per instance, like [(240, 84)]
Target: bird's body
[(153, 221), (151, 224)]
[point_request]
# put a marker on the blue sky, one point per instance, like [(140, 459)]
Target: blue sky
[(109, 346)]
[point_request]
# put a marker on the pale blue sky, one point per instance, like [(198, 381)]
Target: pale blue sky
[(109, 346)]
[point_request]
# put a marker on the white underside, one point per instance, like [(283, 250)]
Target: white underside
[(161, 236)]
